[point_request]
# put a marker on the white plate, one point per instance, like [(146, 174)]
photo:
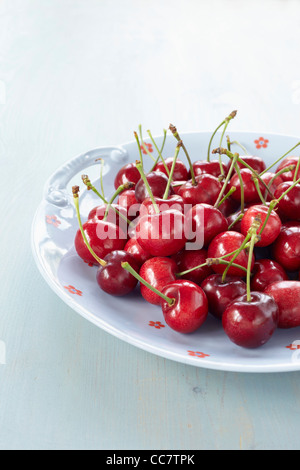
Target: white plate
[(131, 318)]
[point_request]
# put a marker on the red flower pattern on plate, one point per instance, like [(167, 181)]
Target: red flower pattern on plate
[(261, 143), (156, 324), (149, 147), (198, 354), (293, 346), (89, 264), (53, 220), (73, 290)]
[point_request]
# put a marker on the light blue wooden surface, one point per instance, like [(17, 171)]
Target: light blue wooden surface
[(77, 74)]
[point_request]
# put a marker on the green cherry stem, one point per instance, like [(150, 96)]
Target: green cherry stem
[(256, 182), (177, 150), (234, 160), (120, 189), (89, 186), (224, 122), (177, 137), (144, 178), (297, 169), (159, 154), (250, 256), (210, 262), (237, 169), (230, 192), (239, 145), (128, 268), (161, 149), (281, 172), (236, 221), (139, 147), (75, 191), (144, 144), (228, 143), (279, 159)]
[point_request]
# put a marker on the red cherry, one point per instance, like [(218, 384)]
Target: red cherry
[(134, 248), (112, 278), (188, 259), (157, 181), (180, 171), (112, 216), (265, 272), (288, 161), (203, 223), (103, 238), (162, 234), (212, 168), (129, 203), (220, 294), (128, 173), (286, 249), (237, 227), (177, 185), (206, 190), (224, 244), (256, 163), (267, 177), (173, 202), (158, 272), (251, 324), (289, 206), (287, 296), (190, 308), (229, 206), (272, 228), (250, 191)]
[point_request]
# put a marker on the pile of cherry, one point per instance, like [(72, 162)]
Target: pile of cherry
[(245, 272)]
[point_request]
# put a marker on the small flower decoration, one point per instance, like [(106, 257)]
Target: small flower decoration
[(89, 264), (156, 324), (293, 346), (261, 143), (53, 220), (149, 147), (197, 354), (73, 290)]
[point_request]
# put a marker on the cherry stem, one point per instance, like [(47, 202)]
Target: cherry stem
[(139, 147), (75, 190), (177, 150), (239, 145), (237, 169), (159, 153), (236, 221), (125, 265), (230, 192), (144, 178), (225, 121), (256, 182), (272, 206), (120, 189), (297, 169), (177, 137), (288, 190), (279, 159), (144, 144), (228, 143), (282, 171), (228, 177), (236, 254), (101, 175), (210, 262)]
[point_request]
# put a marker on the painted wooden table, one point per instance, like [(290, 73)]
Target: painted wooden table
[(77, 74)]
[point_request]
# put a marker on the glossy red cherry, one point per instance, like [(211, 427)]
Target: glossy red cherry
[(116, 214), (180, 171), (134, 249), (288, 161), (206, 190), (128, 202), (267, 178), (250, 191), (112, 278), (190, 308), (251, 324), (189, 259), (157, 181), (256, 163), (103, 238), (212, 168), (289, 205), (203, 223), (173, 202), (286, 249), (128, 173), (158, 272), (162, 234), (272, 228), (286, 294), (220, 294), (224, 244), (265, 272)]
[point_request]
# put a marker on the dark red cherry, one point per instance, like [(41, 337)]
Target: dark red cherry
[(286, 249), (128, 173), (157, 181), (224, 244), (206, 190), (250, 191), (212, 168), (103, 238), (134, 248), (265, 272), (189, 259), (112, 278), (232, 218), (190, 308), (220, 294), (288, 161), (158, 272), (289, 206), (180, 171), (203, 223), (162, 234), (229, 206), (251, 324), (272, 228), (286, 294)]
